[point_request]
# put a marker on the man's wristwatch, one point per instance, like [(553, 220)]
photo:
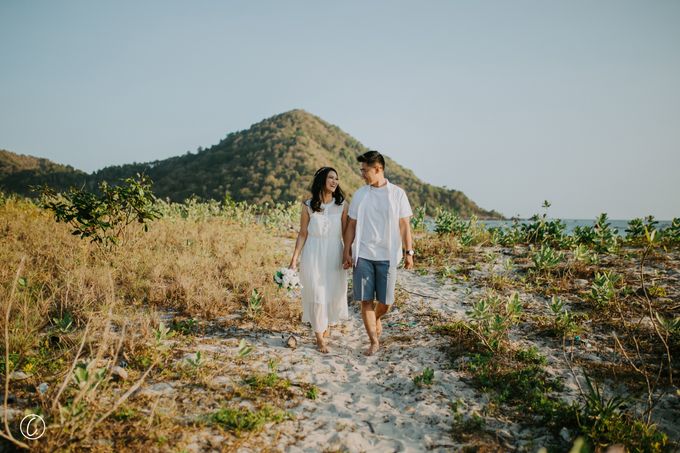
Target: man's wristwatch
[(410, 252)]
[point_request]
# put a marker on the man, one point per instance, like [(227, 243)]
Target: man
[(377, 229)]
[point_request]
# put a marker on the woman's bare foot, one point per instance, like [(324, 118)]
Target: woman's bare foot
[(327, 333), (322, 347), (372, 349), (321, 343)]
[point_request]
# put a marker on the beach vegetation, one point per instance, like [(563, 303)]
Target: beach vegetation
[(240, 419), (492, 317), (425, 378)]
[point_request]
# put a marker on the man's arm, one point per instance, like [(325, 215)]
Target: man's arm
[(348, 238), (406, 240), (343, 219)]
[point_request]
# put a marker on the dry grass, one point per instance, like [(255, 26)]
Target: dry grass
[(79, 310)]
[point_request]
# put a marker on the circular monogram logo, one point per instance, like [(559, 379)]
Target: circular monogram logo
[(32, 426)]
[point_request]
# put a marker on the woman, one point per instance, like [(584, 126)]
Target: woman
[(319, 248)]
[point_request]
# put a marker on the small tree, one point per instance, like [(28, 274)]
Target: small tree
[(104, 218)]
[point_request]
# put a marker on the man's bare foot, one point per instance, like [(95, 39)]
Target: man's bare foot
[(372, 349), (378, 327)]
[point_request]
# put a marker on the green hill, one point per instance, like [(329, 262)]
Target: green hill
[(18, 172), (273, 160)]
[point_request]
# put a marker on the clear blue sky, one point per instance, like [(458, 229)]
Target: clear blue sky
[(512, 102)]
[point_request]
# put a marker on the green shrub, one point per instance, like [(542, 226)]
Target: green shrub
[(583, 254), (242, 419), (603, 420), (546, 259), (525, 386), (603, 290), (491, 319), (671, 234), (563, 321), (606, 238), (601, 236), (507, 236), (447, 222), (104, 218), (425, 378), (418, 219), (531, 356), (544, 231)]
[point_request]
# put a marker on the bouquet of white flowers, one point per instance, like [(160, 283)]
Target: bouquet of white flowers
[(287, 278)]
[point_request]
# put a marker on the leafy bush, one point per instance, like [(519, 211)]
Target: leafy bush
[(584, 235), (468, 232), (425, 378), (491, 319), (583, 254), (312, 392), (418, 219), (636, 227), (546, 259), (525, 386), (540, 230), (269, 380), (242, 419), (601, 236), (606, 238), (563, 321), (283, 216), (544, 231), (507, 236), (255, 304), (447, 222), (104, 218), (672, 327), (603, 420), (184, 326), (671, 234), (531, 355), (603, 290)]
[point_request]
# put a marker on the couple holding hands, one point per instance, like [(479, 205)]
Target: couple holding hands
[(370, 236)]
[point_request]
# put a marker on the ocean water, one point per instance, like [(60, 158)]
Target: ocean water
[(619, 225)]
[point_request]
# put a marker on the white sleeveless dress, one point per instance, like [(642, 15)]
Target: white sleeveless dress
[(323, 280)]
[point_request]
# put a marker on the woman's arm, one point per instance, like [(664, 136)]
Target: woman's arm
[(302, 237)]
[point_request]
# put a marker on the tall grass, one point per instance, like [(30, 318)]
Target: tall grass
[(79, 310)]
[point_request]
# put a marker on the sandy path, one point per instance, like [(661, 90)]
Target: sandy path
[(371, 403)]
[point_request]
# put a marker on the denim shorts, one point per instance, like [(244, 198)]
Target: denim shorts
[(372, 280)]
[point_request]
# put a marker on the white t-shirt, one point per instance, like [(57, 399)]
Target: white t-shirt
[(374, 242)]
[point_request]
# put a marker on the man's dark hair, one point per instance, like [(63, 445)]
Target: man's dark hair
[(371, 158)]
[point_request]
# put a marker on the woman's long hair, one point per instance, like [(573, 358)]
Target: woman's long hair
[(318, 186)]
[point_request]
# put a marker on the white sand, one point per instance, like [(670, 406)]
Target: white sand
[(371, 403)]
